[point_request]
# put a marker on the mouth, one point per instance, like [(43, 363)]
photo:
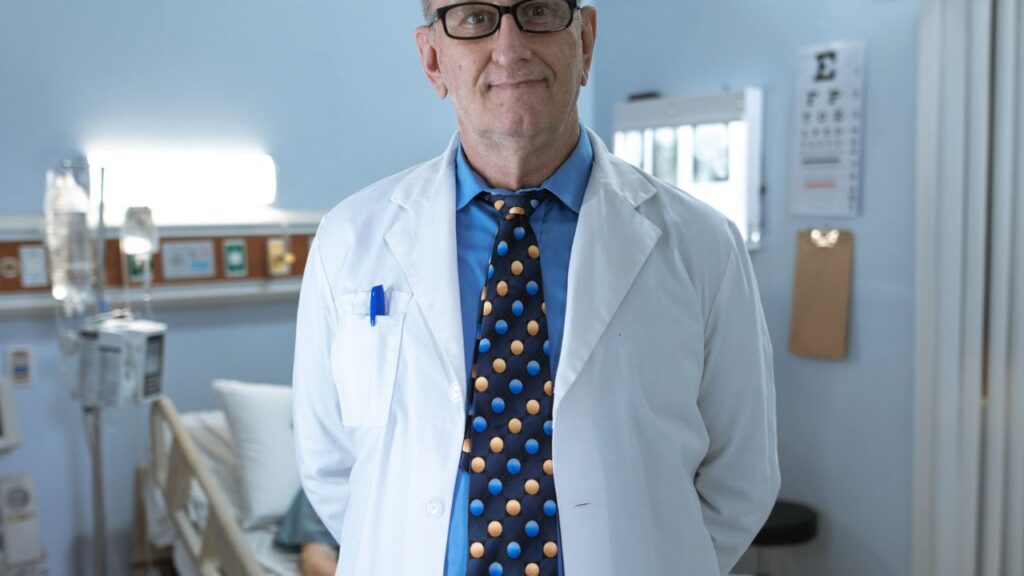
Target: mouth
[(515, 85)]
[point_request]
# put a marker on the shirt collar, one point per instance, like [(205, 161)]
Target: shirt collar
[(568, 183)]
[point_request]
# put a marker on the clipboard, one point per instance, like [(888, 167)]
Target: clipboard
[(821, 294)]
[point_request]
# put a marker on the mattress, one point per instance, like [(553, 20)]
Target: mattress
[(210, 432)]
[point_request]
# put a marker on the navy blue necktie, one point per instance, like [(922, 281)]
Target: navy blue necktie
[(513, 514)]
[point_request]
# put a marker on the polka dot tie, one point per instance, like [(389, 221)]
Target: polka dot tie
[(513, 513)]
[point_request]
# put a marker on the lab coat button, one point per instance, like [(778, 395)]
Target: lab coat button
[(455, 393), (435, 508)]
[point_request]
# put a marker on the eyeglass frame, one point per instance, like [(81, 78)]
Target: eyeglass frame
[(511, 9)]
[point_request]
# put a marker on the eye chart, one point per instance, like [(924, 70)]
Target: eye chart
[(829, 127)]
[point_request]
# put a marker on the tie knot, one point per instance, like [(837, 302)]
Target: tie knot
[(512, 205)]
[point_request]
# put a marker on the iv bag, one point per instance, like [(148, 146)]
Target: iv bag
[(68, 243)]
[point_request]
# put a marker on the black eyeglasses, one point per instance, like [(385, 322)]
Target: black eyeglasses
[(472, 20)]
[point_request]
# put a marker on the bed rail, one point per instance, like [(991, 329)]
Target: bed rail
[(219, 547)]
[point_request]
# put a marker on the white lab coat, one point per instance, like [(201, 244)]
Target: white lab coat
[(664, 412)]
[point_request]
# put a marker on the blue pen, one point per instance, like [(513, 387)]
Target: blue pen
[(376, 303)]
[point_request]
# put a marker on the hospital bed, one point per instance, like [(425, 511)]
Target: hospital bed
[(193, 502)]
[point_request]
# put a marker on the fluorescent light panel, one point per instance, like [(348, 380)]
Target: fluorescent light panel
[(179, 184)]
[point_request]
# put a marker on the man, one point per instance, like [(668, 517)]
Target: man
[(526, 356)]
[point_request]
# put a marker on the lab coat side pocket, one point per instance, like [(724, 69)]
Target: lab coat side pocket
[(364, 363)]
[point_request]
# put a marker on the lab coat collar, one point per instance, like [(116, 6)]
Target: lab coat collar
[(613, 241), (423, 241)]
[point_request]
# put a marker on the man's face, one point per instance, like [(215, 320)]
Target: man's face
[(512, 84)]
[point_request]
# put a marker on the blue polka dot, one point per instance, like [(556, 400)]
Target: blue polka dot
[(532, 446), (517, 308), (502, 248), (494, 486), (548, 428), (479, 424), (547, 347), (498, 405), (533, 367), (476, 507), (514, 550), (515, 386), (519, 233), (532, 529), (532, 288), (514, 466), (534, 202), (490, 271), (550, 508), (495, 570), (501, 327), (485, 345)]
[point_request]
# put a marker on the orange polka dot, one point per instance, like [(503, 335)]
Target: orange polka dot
[(467, 445), (494, 529), (517, 347), (487, 308), (513, 508), (502, 288), (549, 388), (533, 327), (532, 569), (497, 444), (481, 384), (499, 205), (478, 465), (550, 549), (534, 252), (515, 425), (549, 468), (544, 308), (483, 293), (476, 550), (498, 365), (533, 407), (517, 268), (531, 487)]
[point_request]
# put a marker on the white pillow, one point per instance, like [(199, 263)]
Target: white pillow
[(260, 417)]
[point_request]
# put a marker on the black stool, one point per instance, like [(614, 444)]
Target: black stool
[(789, 524)]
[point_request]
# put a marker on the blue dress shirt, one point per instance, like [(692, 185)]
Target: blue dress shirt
[(554, 222)]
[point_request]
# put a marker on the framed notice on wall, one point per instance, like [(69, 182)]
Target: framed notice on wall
[(828, 131)]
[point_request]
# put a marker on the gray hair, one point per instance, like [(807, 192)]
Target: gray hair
[(426, 9)]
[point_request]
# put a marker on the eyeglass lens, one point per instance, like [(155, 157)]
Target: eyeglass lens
[(472, 20)]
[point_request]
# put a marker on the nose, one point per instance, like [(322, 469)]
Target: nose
[(511, 44)]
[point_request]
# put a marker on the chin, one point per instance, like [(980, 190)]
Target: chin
[(523, 126)]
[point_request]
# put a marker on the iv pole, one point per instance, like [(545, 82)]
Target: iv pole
[(93, 414)]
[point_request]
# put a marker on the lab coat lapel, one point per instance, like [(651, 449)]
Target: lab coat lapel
[(424, 243), (612, 243)]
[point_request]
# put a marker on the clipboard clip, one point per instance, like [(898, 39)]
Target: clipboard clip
[(823, 238)]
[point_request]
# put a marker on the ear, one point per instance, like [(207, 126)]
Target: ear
[(588, 35), (430, 61)]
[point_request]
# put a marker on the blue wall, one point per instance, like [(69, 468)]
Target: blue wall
[(845, 428), (314, 83), (317, 84)]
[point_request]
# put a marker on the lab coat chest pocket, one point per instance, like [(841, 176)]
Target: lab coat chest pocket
[(364, 357)]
